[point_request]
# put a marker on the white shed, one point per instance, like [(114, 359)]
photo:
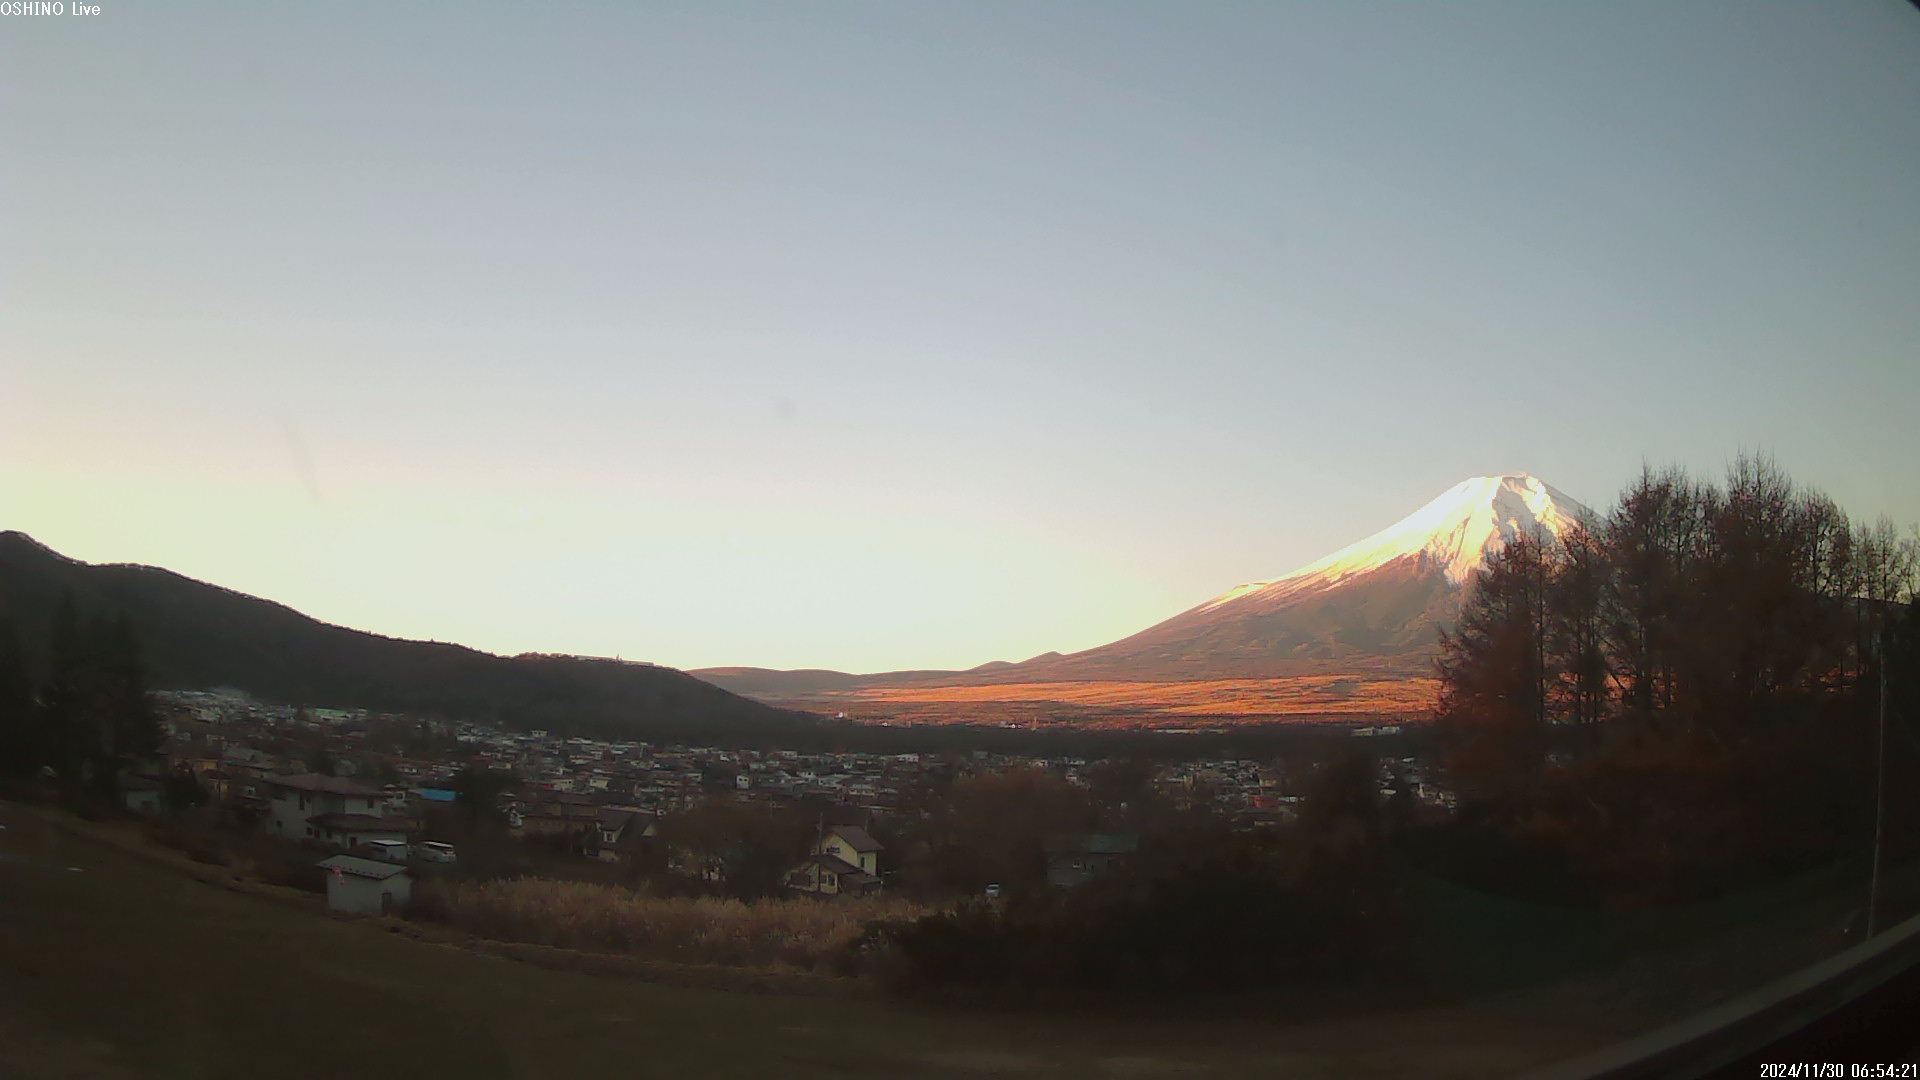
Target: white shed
[(364, 886), (142, 795)]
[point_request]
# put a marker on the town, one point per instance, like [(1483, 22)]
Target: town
[(382, 787)]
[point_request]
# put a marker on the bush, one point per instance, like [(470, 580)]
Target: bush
[(804, 934), (194, 844), (1234, 918)]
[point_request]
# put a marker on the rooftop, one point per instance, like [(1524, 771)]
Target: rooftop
[(856, 837), (361, 823), (851, 874), (355, 866), (330, 785)]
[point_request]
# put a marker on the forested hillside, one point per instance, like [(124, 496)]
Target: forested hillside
[(196, 635)]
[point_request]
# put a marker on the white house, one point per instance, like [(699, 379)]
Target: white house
[(357, 830), (365, 887), (845, 860), (851, 844), (329, 810)]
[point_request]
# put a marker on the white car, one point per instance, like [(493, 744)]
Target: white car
[(434, 851), (393, 851)]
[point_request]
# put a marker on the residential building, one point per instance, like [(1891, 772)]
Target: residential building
[(1077, 858), (845, 860), (329, 810), (365, 887), (622, 833)]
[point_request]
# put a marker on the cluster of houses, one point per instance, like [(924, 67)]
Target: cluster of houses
[(1256, 794), (565, 782), (604, 799)]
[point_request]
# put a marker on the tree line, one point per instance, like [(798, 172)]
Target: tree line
[(87, 718), (1685, 690)]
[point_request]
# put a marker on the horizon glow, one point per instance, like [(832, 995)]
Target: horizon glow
[(876, 337)]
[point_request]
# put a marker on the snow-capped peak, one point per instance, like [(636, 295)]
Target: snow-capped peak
[(1456, 532)]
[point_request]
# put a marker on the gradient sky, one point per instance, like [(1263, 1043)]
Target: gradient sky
[(895, 335)]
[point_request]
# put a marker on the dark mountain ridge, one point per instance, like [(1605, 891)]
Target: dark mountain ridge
[(199, 636)]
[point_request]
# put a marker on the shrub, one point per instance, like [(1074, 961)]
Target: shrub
[(804, 934), (1231, 918)]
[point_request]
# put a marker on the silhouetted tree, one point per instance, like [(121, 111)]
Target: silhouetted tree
[(1576, 628), (743, 851), (65, 696), (96, 716), (992, 829), (184, 791), (1649, 544), (476, 794), (19, 719), (1493, 675), (130, 727), (1341, 809), (1718, 646)]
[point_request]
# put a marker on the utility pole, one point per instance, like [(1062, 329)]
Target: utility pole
[(1880, 796)]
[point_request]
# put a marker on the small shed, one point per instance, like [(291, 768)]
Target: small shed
[(1077, 858), (142, 794), (365, 887)]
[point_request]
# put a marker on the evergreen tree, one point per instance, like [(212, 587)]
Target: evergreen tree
[(96, 717), (1576, 630), (1493, 675), (63, 700), (129, 730), (19, 722), (1649, 544)]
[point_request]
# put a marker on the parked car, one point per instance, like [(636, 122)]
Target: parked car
[(393, 851), (434, 851)]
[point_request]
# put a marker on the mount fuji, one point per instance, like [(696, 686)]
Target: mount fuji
[(1375, 606), (1380, 601)]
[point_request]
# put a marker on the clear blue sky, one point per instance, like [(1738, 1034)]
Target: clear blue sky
[(874, 336)]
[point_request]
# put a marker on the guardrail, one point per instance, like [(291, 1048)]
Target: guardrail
[(1779, 1014)]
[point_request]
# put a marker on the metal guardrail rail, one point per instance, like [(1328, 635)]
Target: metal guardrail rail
[(1739, 1029)]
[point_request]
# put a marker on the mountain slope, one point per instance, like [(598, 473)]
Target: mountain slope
[(1377, 602), (197, 635), (1373, 606)]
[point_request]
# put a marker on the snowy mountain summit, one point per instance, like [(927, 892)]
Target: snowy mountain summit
[(1456, 533), (1377, 604), (1373, 608)]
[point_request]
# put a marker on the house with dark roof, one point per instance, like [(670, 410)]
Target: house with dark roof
[(294, 799), (845, 860), (329, 810), (356, 830), (557, 813), (622, 833), (1077, 858)]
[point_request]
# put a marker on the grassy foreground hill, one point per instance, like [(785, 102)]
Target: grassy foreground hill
[(115, 966), (199, 636)]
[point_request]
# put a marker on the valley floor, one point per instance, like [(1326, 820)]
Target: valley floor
[(1356, 698), (114, 966)]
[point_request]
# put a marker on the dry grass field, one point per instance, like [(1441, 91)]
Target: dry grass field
[(801, 934), (1295, 699)]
